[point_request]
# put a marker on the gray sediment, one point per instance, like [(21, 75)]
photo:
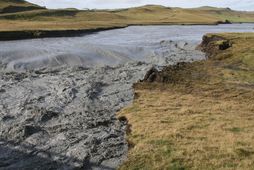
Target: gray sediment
[(64, 117)]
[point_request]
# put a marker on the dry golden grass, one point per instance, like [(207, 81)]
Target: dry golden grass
[(16, 5), (86, 19), (203, 118)]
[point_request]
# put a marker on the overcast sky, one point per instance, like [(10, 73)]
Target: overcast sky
[(111, 4)]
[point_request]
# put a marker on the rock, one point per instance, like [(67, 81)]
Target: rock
[(151, 75)]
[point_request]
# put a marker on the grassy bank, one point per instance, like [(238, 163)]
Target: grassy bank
[(71, 19), (197, 115)]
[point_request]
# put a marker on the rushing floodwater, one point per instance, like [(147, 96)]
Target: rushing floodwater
[(142, 43)]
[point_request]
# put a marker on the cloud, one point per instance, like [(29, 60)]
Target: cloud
[(110, 4)]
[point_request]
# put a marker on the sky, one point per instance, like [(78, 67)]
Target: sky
[(243, 5)]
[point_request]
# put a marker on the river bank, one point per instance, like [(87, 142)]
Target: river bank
[(196, 115), (32, 34)]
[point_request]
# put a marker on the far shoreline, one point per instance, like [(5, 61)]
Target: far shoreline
[(36, 34)]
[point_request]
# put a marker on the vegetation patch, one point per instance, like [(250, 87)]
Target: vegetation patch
[(235, 130), (197, 115)]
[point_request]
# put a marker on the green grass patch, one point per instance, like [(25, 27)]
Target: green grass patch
[(235, 130)]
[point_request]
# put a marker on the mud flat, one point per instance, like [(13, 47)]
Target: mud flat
[(66, 115)]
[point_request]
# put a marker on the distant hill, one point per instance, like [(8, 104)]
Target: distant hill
[(16, 15), (212, 8), (20, 9), (12, 6)]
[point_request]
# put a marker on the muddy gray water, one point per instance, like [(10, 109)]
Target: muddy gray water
[(60, 114), (142, 43)]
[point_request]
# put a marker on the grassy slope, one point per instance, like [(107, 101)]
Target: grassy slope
[(12, 6), (6, 3), (151, 14), (201, 117)]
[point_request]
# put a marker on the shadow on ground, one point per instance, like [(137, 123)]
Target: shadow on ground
[(24, 157)]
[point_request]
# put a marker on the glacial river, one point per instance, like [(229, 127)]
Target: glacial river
[(136, 43)]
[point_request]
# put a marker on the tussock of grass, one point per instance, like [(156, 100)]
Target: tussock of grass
[(201, 118)]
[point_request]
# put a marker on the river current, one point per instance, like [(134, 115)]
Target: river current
[(149, 44)]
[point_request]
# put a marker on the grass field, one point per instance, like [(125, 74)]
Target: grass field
[(199, 115)]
